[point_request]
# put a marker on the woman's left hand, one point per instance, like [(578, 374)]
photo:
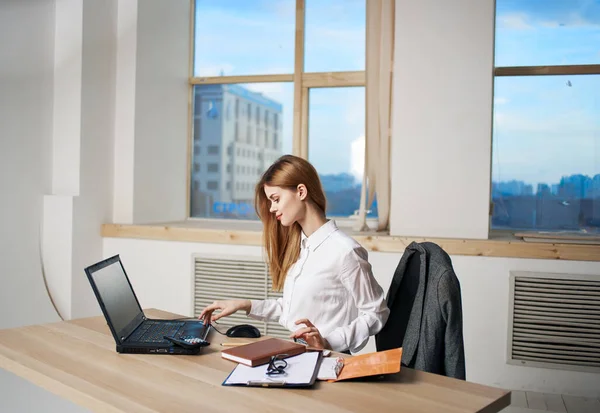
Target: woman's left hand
[(310, 334)]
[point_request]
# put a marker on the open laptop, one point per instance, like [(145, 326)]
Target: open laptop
[(132, 330)]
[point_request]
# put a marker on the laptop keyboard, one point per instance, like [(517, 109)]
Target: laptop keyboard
[(153, 332)]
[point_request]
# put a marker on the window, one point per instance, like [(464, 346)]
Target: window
[(212, 167), (546, 130), (339, 158), (244, 57), (212, 185)]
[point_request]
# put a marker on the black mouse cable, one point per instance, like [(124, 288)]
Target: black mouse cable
[(193, 318)]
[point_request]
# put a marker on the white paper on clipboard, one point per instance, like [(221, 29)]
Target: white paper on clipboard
[(300, 370)]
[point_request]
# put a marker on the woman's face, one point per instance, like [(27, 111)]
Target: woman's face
[(287, 205)]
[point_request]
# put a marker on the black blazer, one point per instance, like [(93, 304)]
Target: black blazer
[(425, 312)]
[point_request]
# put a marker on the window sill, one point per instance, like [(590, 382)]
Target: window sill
[(249, 233)]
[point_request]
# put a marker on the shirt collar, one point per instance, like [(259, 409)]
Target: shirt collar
[(319, 236)]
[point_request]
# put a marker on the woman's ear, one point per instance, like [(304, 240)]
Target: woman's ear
[(302, 191)]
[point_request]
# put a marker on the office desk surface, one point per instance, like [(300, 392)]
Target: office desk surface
[(77, 360)]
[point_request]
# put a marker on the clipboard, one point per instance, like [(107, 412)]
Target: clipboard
[(301, 371)]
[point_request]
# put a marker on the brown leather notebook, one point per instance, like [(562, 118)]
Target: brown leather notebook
[(371, 364), (260, 352)]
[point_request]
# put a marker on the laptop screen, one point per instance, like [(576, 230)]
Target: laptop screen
[(116, 294)]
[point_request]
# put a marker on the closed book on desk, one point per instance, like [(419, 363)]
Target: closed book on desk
[(371, 364), (260, 352)]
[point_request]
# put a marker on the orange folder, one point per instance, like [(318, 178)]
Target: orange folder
[(371, 364)]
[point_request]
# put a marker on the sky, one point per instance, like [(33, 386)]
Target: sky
[(549, 126), (543, 127)]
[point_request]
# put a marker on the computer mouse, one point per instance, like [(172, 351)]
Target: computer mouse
[(243, 330)]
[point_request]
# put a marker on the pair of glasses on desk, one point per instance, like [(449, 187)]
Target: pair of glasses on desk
[(277, 365)]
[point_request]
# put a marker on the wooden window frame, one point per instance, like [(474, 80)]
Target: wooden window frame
[(303, 81)]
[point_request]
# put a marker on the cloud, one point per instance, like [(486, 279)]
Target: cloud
[(355, 113), (284, 9), (500, 100), (548, 19), (513, 21), (573, 123), (542, 147), (275, 91), (215, 70), (357, 158), (336, 37), (237, 37)]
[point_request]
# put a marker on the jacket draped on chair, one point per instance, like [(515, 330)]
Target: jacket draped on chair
[(425, 312)]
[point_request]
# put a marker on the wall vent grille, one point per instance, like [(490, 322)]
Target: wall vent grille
[(554, 321), (218, 278)]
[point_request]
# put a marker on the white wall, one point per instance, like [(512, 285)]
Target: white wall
[(57, 71), (161, 121), (442, 118), (57, 89), (93, 206), (26, 110), (485, 296), (83, 135), (124, 156), (151, 126)]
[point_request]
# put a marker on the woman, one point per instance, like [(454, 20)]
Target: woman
[(330, 297)]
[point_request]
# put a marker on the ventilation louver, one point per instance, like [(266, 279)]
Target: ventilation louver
[(554, 321), (218, 278)]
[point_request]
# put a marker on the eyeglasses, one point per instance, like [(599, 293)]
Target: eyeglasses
[(277, 365)]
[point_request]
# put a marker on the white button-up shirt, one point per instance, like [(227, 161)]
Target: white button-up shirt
[(332, 285)]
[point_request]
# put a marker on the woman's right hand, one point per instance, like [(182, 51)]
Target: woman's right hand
[(227, 307)]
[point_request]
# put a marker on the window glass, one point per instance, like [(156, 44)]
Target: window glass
[(336, 146), (242, 37), (547, 32), (546, 153), (334, 35), (238, 148)]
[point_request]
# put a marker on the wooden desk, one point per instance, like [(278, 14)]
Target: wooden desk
[(77, 360)]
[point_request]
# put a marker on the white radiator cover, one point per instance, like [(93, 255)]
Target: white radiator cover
[(554, 321), (233, 277)]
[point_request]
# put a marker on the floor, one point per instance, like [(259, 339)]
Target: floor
[(532, 402)]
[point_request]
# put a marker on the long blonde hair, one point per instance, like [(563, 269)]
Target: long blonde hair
[(282, 244)]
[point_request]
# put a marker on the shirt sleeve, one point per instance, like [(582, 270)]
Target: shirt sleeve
[(369, 299), (266, 310)]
